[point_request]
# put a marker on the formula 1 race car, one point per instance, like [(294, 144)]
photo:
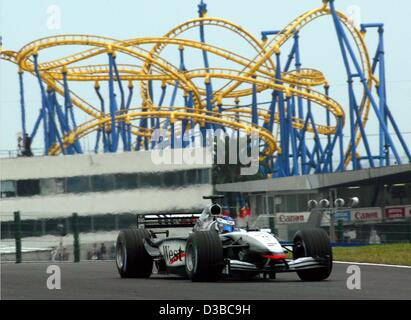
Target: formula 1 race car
[(216, 247)]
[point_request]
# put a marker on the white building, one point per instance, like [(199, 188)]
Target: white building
[(91, 185)]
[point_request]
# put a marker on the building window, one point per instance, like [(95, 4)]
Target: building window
[(191, 177), (260, 204), (204, 175), (291, 203), (302, 202), (7, 189), (102, 183), (179, 177), (271, 208), (105, 183), (78, 185), (150, 180), (171, 179), (51, 186), (27, 188), (126, 181)]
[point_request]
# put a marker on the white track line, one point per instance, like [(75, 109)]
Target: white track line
[(374, 264), (111, 261)]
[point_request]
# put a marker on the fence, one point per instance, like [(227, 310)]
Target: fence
[(27, 237), (78, 238), (16, 153)]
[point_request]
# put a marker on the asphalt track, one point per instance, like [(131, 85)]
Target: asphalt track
[(99, 280)]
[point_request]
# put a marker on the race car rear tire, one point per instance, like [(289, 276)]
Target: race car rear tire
[(313, 243), (132, 259), (204, 256)]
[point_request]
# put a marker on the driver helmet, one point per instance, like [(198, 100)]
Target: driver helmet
[(227, 227)]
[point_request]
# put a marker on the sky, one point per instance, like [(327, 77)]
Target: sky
[(23, 21)]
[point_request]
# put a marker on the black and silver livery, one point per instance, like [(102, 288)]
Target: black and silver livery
[(216, 247)]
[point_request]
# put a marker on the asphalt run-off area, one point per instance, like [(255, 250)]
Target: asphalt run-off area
[(100, 280)]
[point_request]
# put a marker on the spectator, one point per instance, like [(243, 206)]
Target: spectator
[(19, 145), (113, 252), (245, 211), (27, 146), (103, 252), (66, 254), (374, 237), (95, 253), (53, 253), (89, 255)]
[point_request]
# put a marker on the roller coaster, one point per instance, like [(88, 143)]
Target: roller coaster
[(208, 97)]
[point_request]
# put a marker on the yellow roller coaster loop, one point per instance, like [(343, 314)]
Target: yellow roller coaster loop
[(209, 92)]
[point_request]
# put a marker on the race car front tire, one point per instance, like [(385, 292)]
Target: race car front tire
[(132, 259), (204, 256), (313, 243)]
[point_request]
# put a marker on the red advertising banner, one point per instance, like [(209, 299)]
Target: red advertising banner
[(408, 211), (395, 213)]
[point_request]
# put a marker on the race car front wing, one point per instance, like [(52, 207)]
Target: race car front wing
[(279, 266)]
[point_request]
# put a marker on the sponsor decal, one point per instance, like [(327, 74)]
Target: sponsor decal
[(366, 214), (179, 257), (173, 256), (395, 213)]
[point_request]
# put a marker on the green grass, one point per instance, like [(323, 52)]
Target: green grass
[(398, 254)]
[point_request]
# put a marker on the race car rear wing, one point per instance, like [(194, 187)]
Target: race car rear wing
[(169, 220)]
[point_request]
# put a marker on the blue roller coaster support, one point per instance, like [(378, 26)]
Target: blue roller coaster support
[(121, 125), (50, 105), (103, 135), (284, 162), (69, 113), (254, 105), (37, 124), (113, 104), (202, 11), (44, 102), (22, 105), (157, 138), (293, 138), (379, 62), (55, 136), (349, 56), (128, 125), (270, 125)]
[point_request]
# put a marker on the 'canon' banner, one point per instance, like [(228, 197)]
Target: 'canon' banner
[(290, 218), (366, 214)]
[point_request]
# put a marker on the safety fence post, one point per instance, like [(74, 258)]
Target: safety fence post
[(272, 223), (76, 245), (410, 231), (17, 235), (340, 230)]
